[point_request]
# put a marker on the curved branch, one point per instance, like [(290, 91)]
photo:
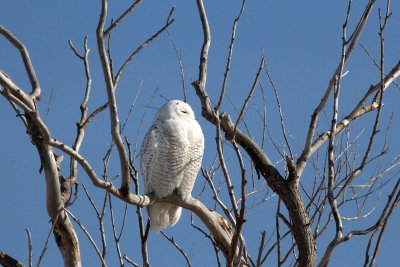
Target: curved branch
[(200, 84), (110, 86), (26, 59), (219, 227), (21, 98), (286, 189), (129, 198), (143, 45), (302, 161), (357, 112), (83, 107)]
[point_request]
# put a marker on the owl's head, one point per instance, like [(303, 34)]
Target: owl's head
[(175, 109)]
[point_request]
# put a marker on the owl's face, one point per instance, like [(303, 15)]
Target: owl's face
[(175, 109)]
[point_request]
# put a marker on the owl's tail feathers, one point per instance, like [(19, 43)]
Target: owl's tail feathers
[(163, 215)]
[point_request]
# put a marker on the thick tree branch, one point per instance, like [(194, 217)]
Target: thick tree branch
[(220, 229), (63, 230), (88, 236), (16, 95), (8, 261), (112, 102), (288, 191), (129, 198)]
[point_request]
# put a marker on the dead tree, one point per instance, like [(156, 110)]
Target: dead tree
[(307, 211)]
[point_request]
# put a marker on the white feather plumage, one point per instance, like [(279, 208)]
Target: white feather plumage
[(171, 156)]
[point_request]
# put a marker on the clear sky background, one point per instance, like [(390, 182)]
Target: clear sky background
[(301, 42)]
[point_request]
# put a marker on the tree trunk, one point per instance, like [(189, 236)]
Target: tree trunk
[(63, 230)]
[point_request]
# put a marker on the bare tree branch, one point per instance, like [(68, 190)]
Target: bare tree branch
[(130, 198), (279, 109), (8, 261), (343, 173), (29, 247), (261, 248), (122, 17), (143, 45), (144, 230), (181, 72), (171, 239), (112, 102), (302, 161), (100, 217), (88, 236), (229, 58), (83, 107), (357, 112), (46, 242), (15, 94), (260, 68), (27, 61), (228, 182), (130, 261), (240, 216), (116, 238), (289, 192)]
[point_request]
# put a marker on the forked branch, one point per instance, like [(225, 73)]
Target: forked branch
[(302, 161)]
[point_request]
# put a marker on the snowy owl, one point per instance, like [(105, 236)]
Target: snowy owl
[(170, 159)]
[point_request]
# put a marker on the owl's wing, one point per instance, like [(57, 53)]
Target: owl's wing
[(164, 157), (195, 155), (148, 153)]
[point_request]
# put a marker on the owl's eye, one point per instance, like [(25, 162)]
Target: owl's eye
[(184, 111)]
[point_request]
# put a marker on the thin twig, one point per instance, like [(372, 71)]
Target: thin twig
[(228, 181), (122, 17), (171, 239), (209, 237), (302, 161), (49, 104), (142, 229), (143, 45), (132, 107), (216, 197), (279, 109), (250, 94), (100, 218), (83, 107), (240, 216), (116, 238), (229, 58), (29, 247), (278, 236), (261, 248), (181, 71), (130, 261), (47, 242)]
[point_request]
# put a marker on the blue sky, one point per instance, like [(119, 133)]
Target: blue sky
[(301, 43)]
